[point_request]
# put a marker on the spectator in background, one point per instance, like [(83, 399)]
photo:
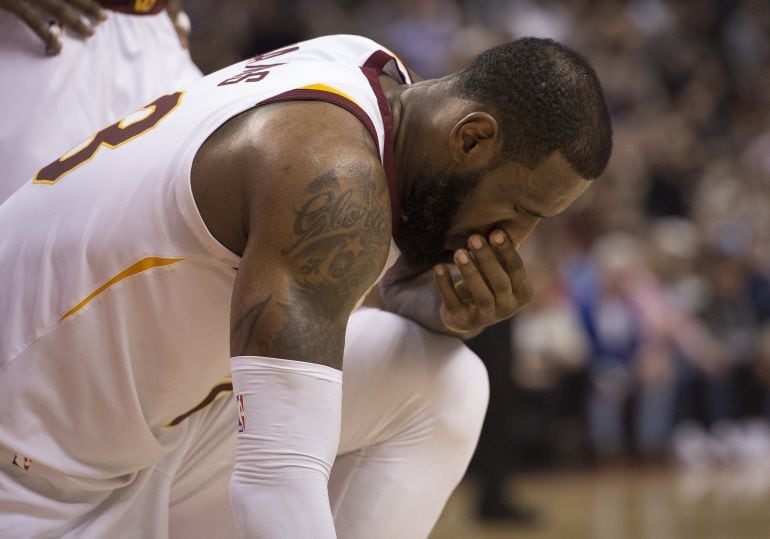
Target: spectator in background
[(729, 315), (611, 322), (550, 352), (631, 359), (762, 367), (493, 462)]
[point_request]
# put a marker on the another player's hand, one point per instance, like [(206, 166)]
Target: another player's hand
[(68, 13), (493, 287), (181, 21)]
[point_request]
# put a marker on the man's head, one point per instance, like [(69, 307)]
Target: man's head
[(517, 136)]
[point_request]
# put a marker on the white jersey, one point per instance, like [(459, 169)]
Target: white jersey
[(115, 297), (49, 103)]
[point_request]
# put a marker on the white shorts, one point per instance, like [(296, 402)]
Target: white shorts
[(391, 476)]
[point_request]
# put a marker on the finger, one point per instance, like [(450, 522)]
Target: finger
[(183, 26), (68, 17), (91, 8), (508, 256), (462, 291), (522, 289), (38, 24), (482, 296), (56, 31), (505, 250), (520, 285), (452, 301), (492, 271)]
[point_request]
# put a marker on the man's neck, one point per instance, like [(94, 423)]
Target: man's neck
[(400, 115)]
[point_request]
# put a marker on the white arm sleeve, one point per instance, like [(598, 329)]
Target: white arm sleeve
[(289, 415)]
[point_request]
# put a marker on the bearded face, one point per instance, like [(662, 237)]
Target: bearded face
[(430, 211)]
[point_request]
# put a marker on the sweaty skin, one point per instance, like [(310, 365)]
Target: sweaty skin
[(488, 281), (297, 189)]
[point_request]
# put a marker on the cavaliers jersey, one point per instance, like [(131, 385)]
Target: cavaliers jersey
[(115, 297), (49, 103)]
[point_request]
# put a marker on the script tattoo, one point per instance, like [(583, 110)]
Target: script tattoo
[(341, 233), (341, 238)]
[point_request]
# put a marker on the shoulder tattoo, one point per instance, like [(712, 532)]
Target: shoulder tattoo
[(340, 233), (340, 240)]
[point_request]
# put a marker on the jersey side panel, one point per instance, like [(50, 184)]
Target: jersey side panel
[(118, 295)]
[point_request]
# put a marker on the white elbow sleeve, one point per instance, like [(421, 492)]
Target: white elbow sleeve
[(289, 415)]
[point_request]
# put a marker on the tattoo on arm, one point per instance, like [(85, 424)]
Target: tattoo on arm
[(248, 322), (341, 235)]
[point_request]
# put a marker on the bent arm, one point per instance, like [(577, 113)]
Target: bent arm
[(416, 298), (313, 249)]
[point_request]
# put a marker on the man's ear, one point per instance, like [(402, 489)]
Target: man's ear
[(475, 139)]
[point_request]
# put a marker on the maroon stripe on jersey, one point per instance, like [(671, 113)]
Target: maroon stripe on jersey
[(372, 69), (216, 390), (306, 94), (379, 59), (134, 7)]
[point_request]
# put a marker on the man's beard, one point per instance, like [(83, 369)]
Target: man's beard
[(430, 212)]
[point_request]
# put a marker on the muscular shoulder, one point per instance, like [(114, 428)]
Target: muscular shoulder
[(302, 184), (267, 158)]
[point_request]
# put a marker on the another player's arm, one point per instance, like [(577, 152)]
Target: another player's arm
[(68, 13), (317, 239)]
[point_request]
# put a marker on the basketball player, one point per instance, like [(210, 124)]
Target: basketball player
[(219, 238), (110, 57)]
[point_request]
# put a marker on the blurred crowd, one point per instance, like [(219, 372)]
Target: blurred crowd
[(650, 328)]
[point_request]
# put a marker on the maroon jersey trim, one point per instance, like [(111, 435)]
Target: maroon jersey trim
[(134, 7), (216, 390), (371, 70), (307, 94), (358, 112)]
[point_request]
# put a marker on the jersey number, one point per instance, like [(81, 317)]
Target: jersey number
[(113, 136)]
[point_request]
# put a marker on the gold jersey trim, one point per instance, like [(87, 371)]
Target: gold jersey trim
[(325, 88), (143, 265)]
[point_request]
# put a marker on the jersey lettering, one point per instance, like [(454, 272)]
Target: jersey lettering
[(112, 136), (254, 74), (253, 71)]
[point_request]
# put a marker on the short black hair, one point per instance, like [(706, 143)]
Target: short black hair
[(547, 97)]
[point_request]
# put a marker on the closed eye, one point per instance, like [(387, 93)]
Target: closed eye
[(530, 213)]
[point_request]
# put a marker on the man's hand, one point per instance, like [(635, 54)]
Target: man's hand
[(492, 287), (68, 13)]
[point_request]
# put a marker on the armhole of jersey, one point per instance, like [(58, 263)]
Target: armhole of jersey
[(321, 92), (403, 70), (372, 68), (183, 195)]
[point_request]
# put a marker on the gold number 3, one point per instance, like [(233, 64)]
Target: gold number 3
[(113, 136)]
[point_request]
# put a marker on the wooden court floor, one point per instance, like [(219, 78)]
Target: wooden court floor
[(633, 503)]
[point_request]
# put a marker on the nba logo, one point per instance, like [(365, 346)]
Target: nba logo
[(241, 412)]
